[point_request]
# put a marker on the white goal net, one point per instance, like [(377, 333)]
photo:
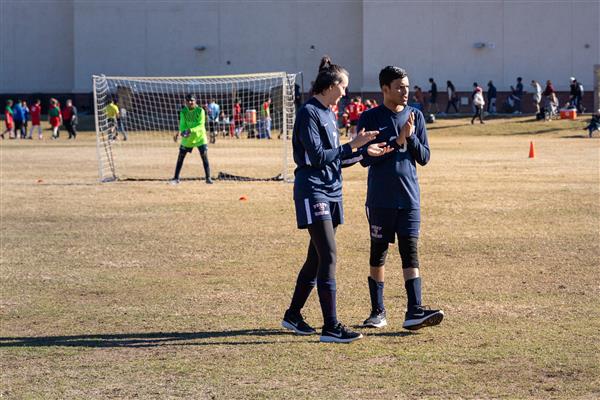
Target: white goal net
[(249, 122)]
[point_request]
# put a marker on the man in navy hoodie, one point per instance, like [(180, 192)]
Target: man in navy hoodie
[(393, 196)]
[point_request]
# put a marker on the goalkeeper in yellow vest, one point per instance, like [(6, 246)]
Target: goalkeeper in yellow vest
[(193, 134)]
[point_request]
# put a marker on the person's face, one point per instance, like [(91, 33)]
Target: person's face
[(336, 92), (191, 103), (397, 92)]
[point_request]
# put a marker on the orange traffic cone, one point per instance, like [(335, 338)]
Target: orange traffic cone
[(531, 151)]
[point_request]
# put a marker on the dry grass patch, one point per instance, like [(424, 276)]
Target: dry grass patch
[(141, 289)]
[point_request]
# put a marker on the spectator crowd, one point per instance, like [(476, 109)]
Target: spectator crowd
[(22, 121)]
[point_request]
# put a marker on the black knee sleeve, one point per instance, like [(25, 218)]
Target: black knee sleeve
[(408, 247), (378, 253)]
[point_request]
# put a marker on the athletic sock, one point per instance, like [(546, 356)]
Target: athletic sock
[(376, 292), (413, 292)]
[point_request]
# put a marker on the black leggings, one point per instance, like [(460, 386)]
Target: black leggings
[(71, 129), (478, 113), (183, 152), (453, 104), (319, 268)]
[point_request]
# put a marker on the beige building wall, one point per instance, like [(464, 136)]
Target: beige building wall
[(56, 45), (36, 46), (160, 38), (535, 40)]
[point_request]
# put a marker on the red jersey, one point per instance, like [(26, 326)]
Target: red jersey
[(67, 113), (237, 113), (354, 110), (8, 118), (36, 114)]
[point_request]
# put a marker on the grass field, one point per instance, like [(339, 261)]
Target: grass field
[(146, 290)]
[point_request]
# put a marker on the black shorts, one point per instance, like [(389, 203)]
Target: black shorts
[(310, 210), (354, 123), (386, 223), (201, 148)]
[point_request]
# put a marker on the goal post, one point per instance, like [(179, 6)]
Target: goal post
[(249, 123)]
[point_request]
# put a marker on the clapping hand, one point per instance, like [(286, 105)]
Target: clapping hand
[(407, 130), (363, 137), (378, 149)]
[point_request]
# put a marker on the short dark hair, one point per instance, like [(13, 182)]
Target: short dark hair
[(190, 97), (389, 74), (329, 74)]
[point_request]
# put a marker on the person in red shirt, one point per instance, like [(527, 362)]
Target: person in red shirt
[(353, 111), (346, 122), (54, 118), (69, 117), (238, 119), (36, 119), (8, 120)]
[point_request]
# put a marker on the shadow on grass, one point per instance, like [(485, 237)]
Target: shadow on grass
[(150, 339), (533, 132), (582, 136), (434, 127), (377, 332)]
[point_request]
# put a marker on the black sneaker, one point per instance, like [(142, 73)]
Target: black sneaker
[(296, 323), (420, 317), (376, 319), (339, 334), (209, 181)]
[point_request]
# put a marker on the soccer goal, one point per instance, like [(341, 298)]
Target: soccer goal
[(249, 129)]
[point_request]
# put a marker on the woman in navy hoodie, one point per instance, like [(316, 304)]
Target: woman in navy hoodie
[(318, 199)]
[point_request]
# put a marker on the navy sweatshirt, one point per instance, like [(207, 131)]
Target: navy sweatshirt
[(317, 153), (393, 181)]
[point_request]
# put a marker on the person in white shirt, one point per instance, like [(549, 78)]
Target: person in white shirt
[(478, 103), (537, 95)]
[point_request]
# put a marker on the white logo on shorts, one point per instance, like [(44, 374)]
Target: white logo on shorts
[(320, 209), (376, 232)]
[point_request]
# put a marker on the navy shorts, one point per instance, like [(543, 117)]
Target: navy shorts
[(386, 223), (310, 210)]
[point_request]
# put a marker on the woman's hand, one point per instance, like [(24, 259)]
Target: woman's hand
[(363, 138)]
